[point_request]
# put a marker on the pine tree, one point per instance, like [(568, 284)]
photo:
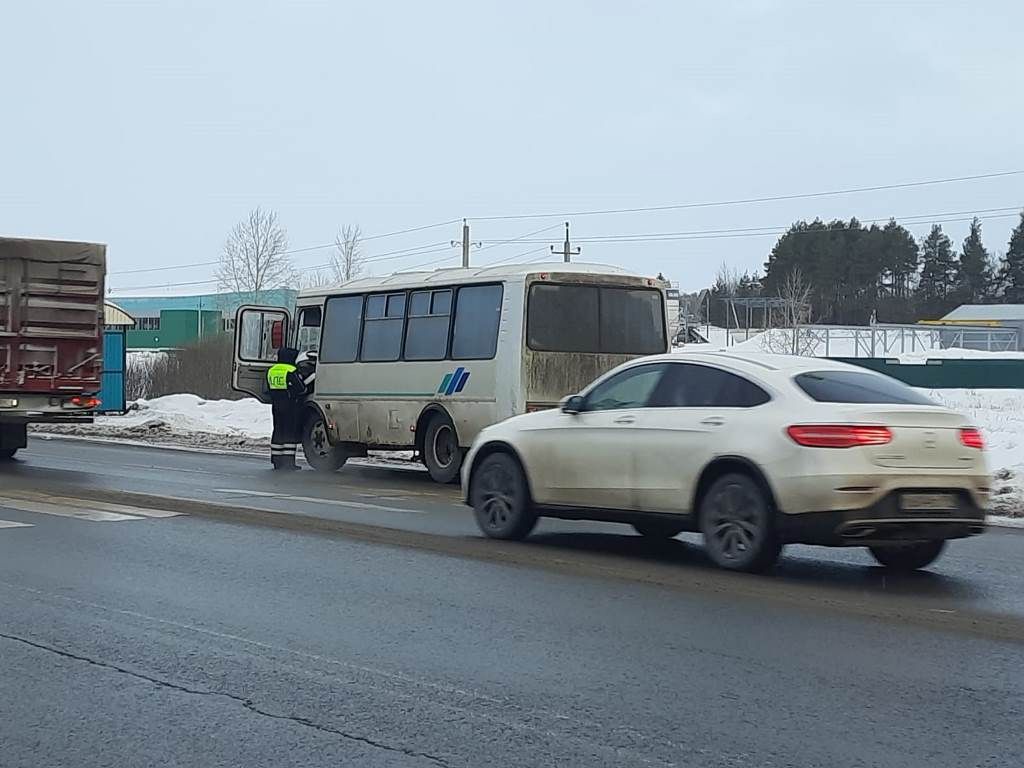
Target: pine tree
[(899, 257), (938, 274), (972, 273), (1013, 265)]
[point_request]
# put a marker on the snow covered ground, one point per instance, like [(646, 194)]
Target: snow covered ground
[(245, 425)]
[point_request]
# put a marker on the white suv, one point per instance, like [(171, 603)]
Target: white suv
[(753, 451)]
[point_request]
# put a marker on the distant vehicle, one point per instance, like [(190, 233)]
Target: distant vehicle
[(425, 360), (51, 335), (752, 451)]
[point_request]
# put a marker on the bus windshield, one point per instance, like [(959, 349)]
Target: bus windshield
[(589, 318)]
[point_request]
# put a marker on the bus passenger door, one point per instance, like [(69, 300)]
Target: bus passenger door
[(259, 333)]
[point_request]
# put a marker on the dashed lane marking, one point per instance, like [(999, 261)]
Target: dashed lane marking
[(79, 509), (318, 500), (12, 524)]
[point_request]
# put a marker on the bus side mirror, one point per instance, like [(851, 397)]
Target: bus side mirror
[(572, 404)]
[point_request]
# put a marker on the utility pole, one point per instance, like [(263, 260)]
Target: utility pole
[(465, 243), (567, 250)]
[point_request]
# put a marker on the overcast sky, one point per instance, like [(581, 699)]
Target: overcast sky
[(154, 127)]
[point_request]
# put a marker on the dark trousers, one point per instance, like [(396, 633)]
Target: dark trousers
[(285, 439)]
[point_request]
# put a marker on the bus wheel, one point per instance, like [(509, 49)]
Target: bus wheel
[(441, 451), (321, 455)]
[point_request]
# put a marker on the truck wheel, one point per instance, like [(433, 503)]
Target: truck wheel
[(908, 557), (6, 454), (316, 446), (441, 451)]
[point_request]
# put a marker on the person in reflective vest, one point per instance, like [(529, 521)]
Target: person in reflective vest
[(287, 392)]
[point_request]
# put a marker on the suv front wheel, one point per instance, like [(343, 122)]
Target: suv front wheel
[(500, 498)]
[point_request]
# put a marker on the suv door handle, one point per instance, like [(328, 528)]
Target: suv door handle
[(625, 420), (713, 421)]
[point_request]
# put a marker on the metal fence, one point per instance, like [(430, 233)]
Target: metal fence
[(879, 341)]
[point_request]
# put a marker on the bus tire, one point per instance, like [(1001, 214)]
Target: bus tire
[(320, 453), (441, 452)]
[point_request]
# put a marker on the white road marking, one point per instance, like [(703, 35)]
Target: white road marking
[(318, 500), (79, 509), (12, 524), (96, 516)]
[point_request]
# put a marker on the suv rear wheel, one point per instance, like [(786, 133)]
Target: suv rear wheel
[(737, 521), (908, 557)]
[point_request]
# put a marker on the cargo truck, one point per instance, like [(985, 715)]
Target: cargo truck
[(51, 335)]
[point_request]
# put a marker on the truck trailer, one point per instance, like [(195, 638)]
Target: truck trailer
[(51, 335)]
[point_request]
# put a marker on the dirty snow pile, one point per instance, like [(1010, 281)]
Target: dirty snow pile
[(186, 420)]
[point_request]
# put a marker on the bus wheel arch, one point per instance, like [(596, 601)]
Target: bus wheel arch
[(437, 441)]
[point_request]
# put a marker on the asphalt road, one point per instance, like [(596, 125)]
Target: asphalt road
[(131, 640), (983, 575)]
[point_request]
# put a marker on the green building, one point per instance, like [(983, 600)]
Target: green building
[(171, 322)]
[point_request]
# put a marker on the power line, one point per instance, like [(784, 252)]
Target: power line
[(711, 234), (518, 256), (418, 251), (749, 200), (290, 251)]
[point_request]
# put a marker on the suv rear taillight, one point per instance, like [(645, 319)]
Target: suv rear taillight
[(838, 435), (971, 437)]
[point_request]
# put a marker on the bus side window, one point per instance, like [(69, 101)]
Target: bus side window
[(382, 327), (477, 316), (340, 338), (426, 335)]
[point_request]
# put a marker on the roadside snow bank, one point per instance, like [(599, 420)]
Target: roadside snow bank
[(185, 420)]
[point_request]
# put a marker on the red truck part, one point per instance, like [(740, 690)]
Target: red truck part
[(51, 334)]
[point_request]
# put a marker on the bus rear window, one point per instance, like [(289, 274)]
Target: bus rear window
[(584, 318), (858, 387)]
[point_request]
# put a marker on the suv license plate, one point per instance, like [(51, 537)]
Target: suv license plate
[(918, 501)]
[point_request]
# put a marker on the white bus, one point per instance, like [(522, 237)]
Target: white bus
[(425, 360)]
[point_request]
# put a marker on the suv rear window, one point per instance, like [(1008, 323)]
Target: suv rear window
[(858, 387)]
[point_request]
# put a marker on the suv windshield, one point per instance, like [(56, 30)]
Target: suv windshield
[(857, 387)]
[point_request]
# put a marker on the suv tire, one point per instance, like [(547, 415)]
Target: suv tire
[(738, 523)]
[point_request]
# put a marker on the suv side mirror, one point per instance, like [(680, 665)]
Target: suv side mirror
[(572, 404)]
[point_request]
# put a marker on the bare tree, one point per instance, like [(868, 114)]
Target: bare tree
[(793, 314), (317, 278), (255, 256), (347, 260)]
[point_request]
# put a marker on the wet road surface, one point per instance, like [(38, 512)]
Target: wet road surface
[(984, 574), (129, 639)]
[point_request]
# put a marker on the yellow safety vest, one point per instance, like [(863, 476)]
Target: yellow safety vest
[(277, 376)]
